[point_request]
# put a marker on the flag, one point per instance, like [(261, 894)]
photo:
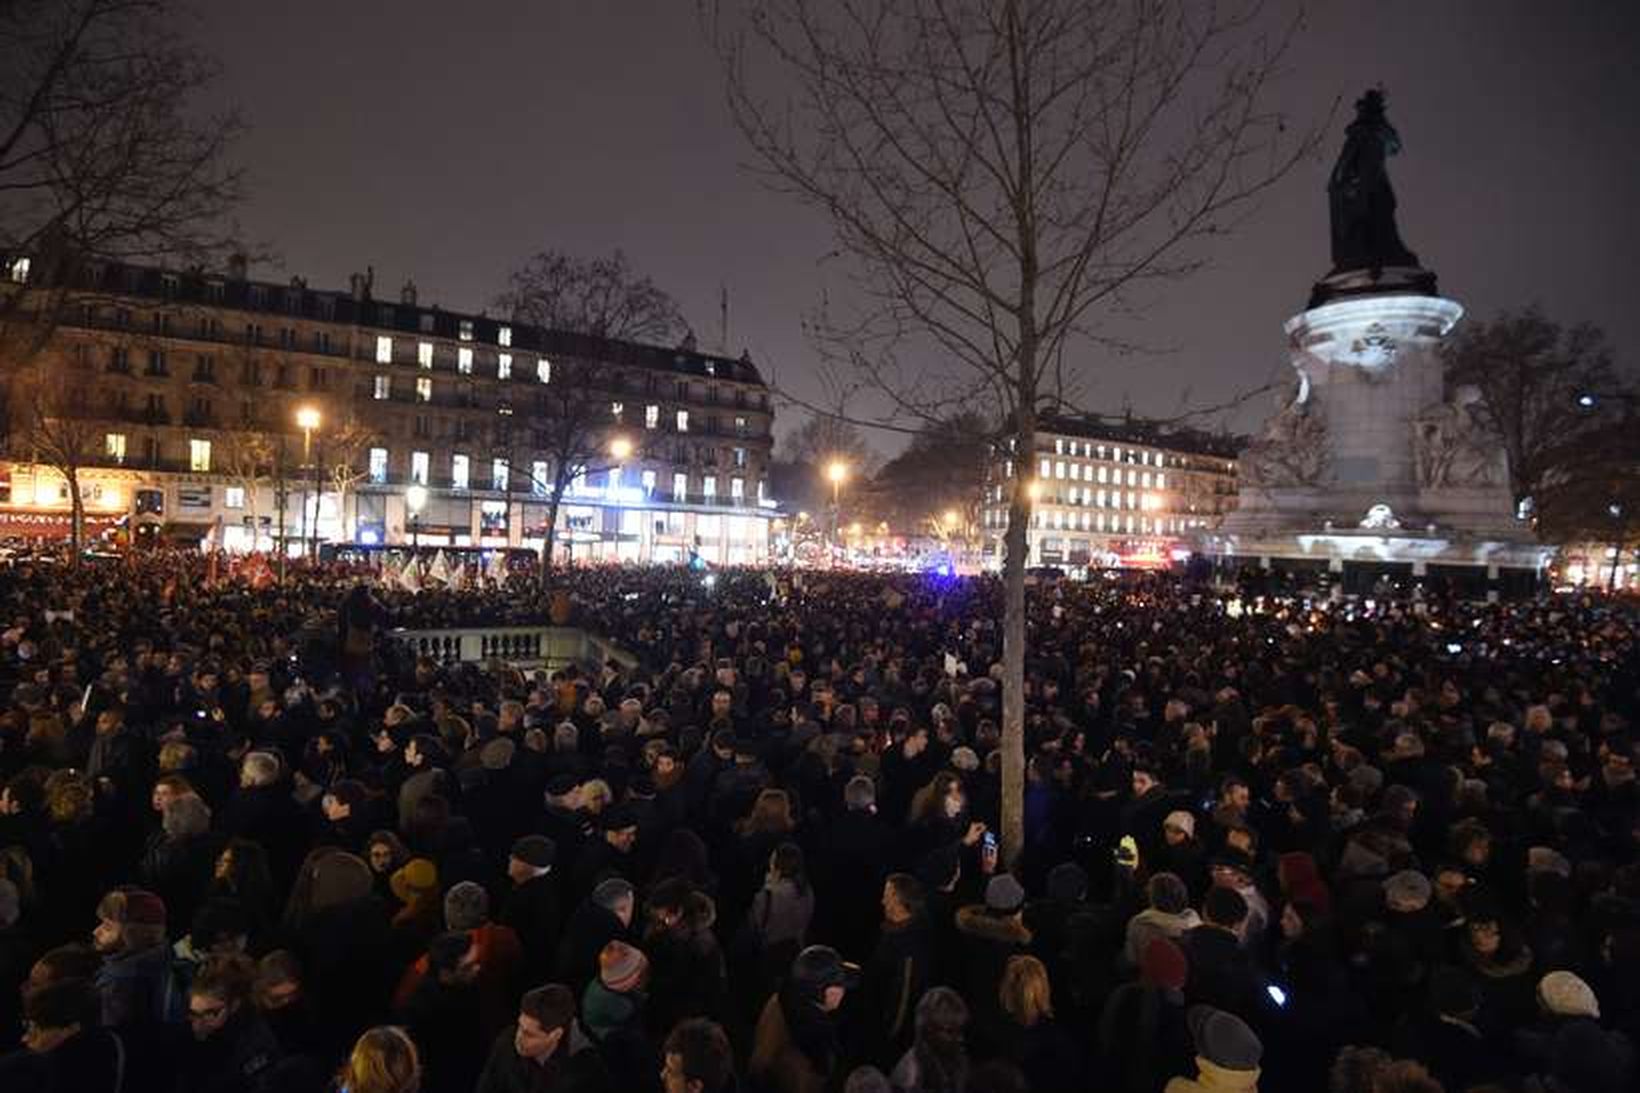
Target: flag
[(440, 569), (497, 570), (410, 576), (458, 577)]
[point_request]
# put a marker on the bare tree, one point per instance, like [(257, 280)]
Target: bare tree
[(603, 297), (104, 155), (346, 448), (1005, 176), (249, 459), (573, 431), (1539, 382), (53, 420)]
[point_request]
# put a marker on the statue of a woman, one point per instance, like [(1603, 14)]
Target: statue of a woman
[(1362, 202)]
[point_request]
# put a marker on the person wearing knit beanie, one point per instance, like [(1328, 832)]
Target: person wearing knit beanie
[(1227, 1053), (1164, 965), (622, 967)]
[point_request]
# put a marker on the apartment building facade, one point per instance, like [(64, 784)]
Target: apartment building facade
[(250, 413), (1125, 494)]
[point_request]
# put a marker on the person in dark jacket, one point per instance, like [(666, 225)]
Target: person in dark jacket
[(1029, 1035), (532, 909), (697, 1058), (688, 973), (852, 868), (232, 1049), (63, 1049), (898, 972), (545, 1050), (1143, 1036), (604, 916), (179, 863), (136, 984), (991, 933), (442, 1014), (1221, 973)]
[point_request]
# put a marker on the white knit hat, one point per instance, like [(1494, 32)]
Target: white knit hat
[(1566, 995)]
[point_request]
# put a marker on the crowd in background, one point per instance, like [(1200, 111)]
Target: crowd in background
[(249, 840)]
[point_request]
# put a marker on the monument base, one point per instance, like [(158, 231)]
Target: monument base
[(1356, 560)]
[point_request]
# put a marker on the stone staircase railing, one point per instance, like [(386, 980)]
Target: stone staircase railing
[(550, 647)]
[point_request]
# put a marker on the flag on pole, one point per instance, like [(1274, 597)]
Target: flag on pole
[(440, 569), (497, 570), (410, 576)]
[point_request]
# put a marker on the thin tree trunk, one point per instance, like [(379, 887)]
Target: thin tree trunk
[(1015, 545), (552, 536), (76, 512)]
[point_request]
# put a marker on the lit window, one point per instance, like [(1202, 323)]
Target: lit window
[(424, 354), (539, 483), (740, 426), (384, 387), (17, 272), (740, 457), (1100, 500), (612, 482), (1133, 477), (1103, 474), (543, 370), (466, 330), (737, 489), (378, 465), (651, 417), (648, 483), (199, 455), (419, 462), (680, 486), (683, 421), (503, 336), (234, 497), (1144, 480), (499, 478), (384, 349), (1059, 469), (1116, 455), (424, 390), (114, 446), (503, 365), (762, 491), (616, 409), (458, 472), (1161, 480), (464, 361), (708, 487)]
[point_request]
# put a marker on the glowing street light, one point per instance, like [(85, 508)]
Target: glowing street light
[(415, 499), (950, 518), (836, 471), (620, 448), (308, 419), (1033, 490)]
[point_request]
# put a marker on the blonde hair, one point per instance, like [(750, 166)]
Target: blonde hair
[(69, 797), (1025, 993), (384, 1060), (596, 795)]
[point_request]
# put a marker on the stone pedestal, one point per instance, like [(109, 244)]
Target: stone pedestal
[(1369, 461)]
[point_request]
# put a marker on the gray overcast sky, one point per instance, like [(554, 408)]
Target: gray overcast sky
[(446, 142)]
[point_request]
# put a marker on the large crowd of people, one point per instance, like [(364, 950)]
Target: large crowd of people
[(250, 840)]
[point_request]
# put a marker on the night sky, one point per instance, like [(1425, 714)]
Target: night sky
[(447, 142)]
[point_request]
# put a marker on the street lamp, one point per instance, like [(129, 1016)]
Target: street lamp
[(836, 471), (308, 419), (415, 497), (620, 448)]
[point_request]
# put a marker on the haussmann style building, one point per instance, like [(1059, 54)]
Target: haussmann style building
[(189, 393), (1126, 494)]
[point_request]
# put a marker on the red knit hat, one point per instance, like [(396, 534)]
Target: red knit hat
[(1163, 964)]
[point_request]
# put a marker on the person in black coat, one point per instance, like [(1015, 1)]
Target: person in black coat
[(851, 870), (688, 976), (1221, 973), (532, 909), (62, 1052), (232, 1050), (442, 1015), (1143, 1037), (899, 971), (604, 916)]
